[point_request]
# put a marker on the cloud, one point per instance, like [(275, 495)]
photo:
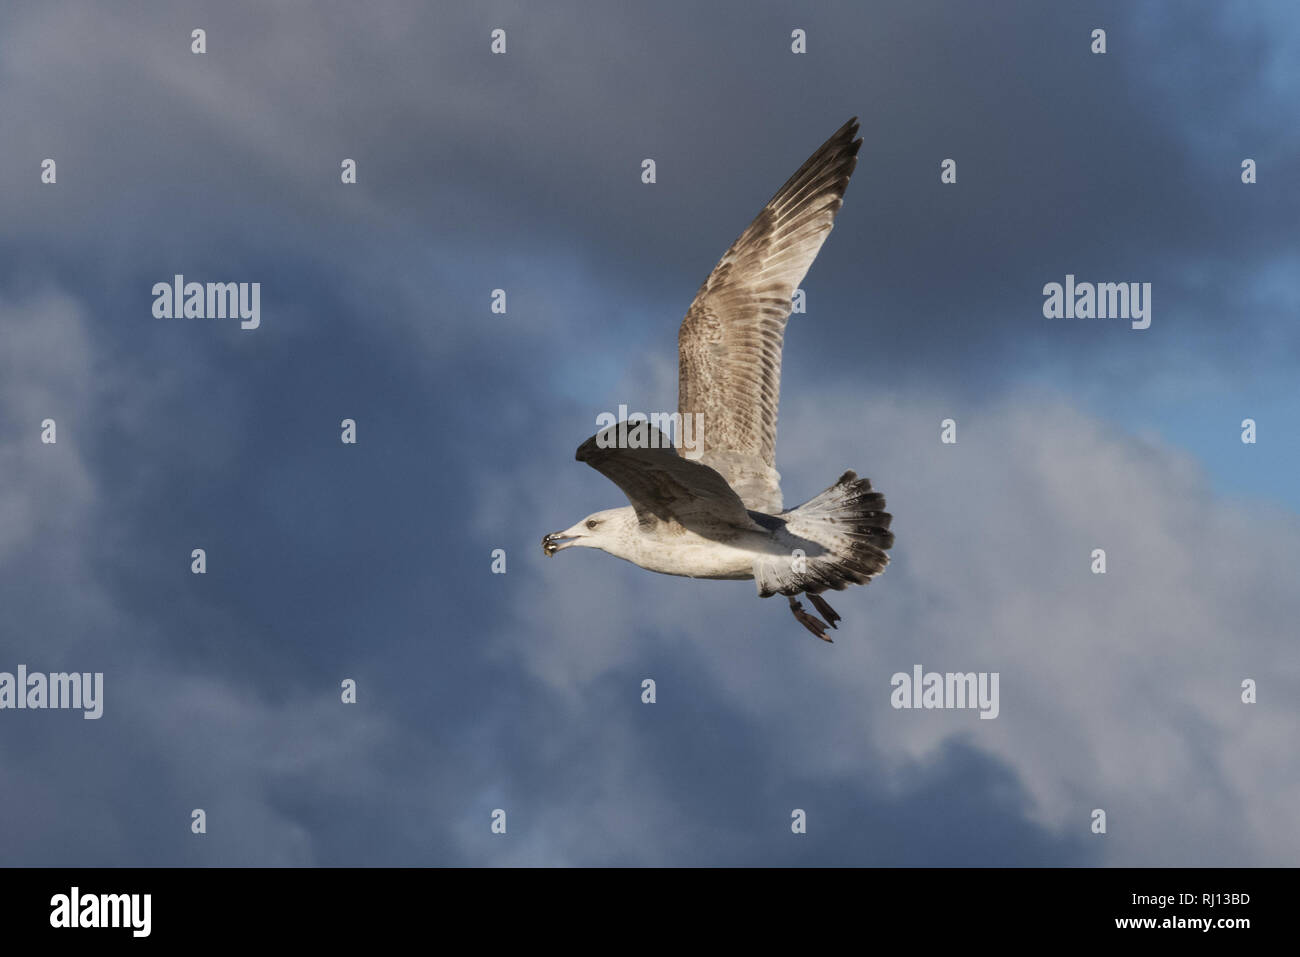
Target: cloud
[(473, 164), (1119, 691), (45, 370), (522, 691), (180, 729)]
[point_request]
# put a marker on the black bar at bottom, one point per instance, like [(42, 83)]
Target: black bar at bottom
[(333, 906)]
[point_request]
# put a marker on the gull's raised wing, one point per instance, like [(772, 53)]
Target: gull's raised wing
[(729, 345)]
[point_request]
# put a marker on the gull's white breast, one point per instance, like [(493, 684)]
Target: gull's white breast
[(692, 555)]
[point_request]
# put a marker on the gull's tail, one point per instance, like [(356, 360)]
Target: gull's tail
[(846, 531)]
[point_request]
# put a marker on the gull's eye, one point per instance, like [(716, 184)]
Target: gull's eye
[(592, 523)]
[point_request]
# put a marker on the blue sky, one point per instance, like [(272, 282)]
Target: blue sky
[(522, 691)]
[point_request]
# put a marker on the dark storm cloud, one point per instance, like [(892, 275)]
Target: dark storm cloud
[(1114, 167), (521, 172)]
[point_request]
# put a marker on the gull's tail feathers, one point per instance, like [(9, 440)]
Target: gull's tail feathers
[(847, 528)]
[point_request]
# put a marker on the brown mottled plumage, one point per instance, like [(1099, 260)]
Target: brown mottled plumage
[(721, 516), (729, 344)]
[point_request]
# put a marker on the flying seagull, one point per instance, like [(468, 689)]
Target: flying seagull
[(715, 511)]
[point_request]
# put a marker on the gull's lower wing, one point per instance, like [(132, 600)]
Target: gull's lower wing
[(729, 345), (663, 486)]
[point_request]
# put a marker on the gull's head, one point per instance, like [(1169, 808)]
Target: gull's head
[(597, 530)]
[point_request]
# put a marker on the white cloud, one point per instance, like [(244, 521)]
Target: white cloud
[(169, 739), (45, 368), (1118, 691)]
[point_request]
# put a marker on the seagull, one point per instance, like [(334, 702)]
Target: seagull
[(715, 511)]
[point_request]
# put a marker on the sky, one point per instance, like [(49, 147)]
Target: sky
[(522, 691)]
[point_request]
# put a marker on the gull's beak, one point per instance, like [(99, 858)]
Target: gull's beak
[(557, 541)]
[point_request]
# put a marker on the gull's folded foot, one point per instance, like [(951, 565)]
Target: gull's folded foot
[(825, 610), (811, 622)]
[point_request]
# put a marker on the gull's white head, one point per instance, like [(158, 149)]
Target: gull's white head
[(609, 531)]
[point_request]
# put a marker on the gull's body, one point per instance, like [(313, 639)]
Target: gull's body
[(721, 517), (683, 551)]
